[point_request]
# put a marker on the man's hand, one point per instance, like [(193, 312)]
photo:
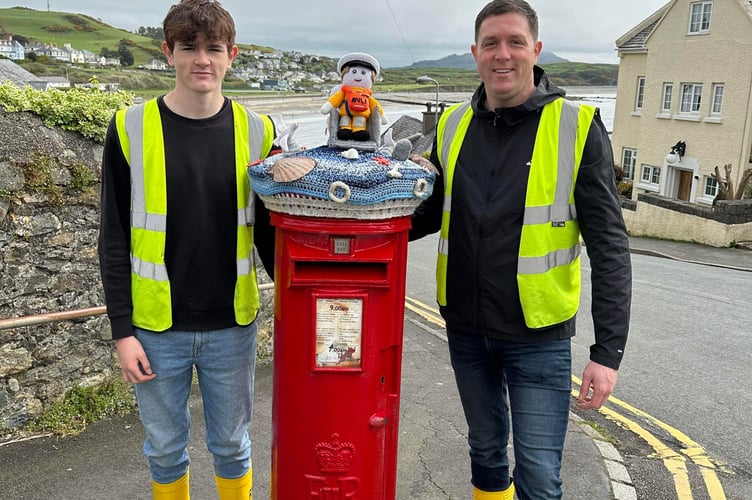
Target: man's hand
[(601, 379), (133, 361)]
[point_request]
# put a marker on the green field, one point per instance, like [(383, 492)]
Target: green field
[(81, 31)]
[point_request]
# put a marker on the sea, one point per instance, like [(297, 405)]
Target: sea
[(311, 130)]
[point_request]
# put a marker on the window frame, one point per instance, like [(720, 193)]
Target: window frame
[(667, 98), (710, 183), (700, 15), (628, 165), (716, 105), (639, 94), (695, 101), (653, 177)]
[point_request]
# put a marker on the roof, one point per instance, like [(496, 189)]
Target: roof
[(412, 128), (635, 40), (15, 73), (55, 79)]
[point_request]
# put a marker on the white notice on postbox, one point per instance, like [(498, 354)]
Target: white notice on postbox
[(339, 328)]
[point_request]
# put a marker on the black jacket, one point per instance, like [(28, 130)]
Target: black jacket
[(488, 200)]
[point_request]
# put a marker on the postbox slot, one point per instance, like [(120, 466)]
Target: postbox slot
[(343, 271)]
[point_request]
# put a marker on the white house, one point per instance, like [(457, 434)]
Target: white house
[(156, 65), (75, 56), (11, 49), (685, 78)]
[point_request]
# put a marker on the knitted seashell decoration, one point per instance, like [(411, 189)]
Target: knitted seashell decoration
[(291, 168)]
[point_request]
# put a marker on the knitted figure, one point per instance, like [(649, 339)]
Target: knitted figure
[(354, 99)]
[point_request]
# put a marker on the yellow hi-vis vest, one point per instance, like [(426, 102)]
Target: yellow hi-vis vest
[(548, 265), (139, 129)]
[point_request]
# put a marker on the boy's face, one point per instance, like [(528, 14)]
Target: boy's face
[(200, 65)]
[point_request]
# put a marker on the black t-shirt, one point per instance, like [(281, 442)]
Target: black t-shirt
[(202, 217)]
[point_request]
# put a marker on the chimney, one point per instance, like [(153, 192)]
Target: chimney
[(431, 116)]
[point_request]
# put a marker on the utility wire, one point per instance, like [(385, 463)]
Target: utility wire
[(400, 31)]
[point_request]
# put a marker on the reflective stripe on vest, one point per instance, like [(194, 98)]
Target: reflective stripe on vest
[(548, 269), (140, 132)]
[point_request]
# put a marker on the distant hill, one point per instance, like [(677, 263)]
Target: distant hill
[(466, 61), (560, 70)]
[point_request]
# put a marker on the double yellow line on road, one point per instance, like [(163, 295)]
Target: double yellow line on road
[(430, 314), (674, 462)]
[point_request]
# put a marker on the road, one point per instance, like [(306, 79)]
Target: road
[(681, 413)]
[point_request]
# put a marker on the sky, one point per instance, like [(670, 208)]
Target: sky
[(396, 32)]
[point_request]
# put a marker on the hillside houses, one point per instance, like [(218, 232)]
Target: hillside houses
[(67, 53), (15, 51), (251, 65), (279, 66)]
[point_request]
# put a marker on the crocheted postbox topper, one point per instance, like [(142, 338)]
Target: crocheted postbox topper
[(354, 175)]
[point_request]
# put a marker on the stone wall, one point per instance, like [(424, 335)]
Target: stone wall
[(723, 225), (48, 264)]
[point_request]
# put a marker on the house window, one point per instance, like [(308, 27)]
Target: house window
[(699, 17), (668, 92), (717, 99), (628, 161), (691, 98), (640, 93), (711, 186), (651, 175)]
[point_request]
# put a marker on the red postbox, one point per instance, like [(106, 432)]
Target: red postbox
[(338, 324)]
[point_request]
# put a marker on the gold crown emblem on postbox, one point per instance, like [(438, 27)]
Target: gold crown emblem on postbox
[(335, 456)]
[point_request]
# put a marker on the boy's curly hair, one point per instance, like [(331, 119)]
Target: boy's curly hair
[(190, 20)]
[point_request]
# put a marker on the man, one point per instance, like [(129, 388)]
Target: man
[(176, 253), (525, 174)]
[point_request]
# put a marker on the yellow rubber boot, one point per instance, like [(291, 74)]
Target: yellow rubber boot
[(176, 490), (235, 489), (507, 494)]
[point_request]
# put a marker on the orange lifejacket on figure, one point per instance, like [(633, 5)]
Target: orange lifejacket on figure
[(357, 99)]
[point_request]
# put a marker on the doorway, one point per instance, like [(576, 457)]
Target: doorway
[(685, 185)]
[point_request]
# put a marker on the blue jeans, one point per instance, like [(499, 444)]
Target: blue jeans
[(534, 381), (225, 362)]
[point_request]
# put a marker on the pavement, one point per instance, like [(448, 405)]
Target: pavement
[(105, 461)]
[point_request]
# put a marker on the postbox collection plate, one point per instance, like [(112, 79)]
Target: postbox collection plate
[(339, 332)]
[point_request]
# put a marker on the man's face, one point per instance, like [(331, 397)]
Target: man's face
[(200, 66), (505, 53)]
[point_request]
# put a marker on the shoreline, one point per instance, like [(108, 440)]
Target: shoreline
[(313, 102)]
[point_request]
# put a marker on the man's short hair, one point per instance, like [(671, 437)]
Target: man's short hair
[(190, 20), (499, 7)]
